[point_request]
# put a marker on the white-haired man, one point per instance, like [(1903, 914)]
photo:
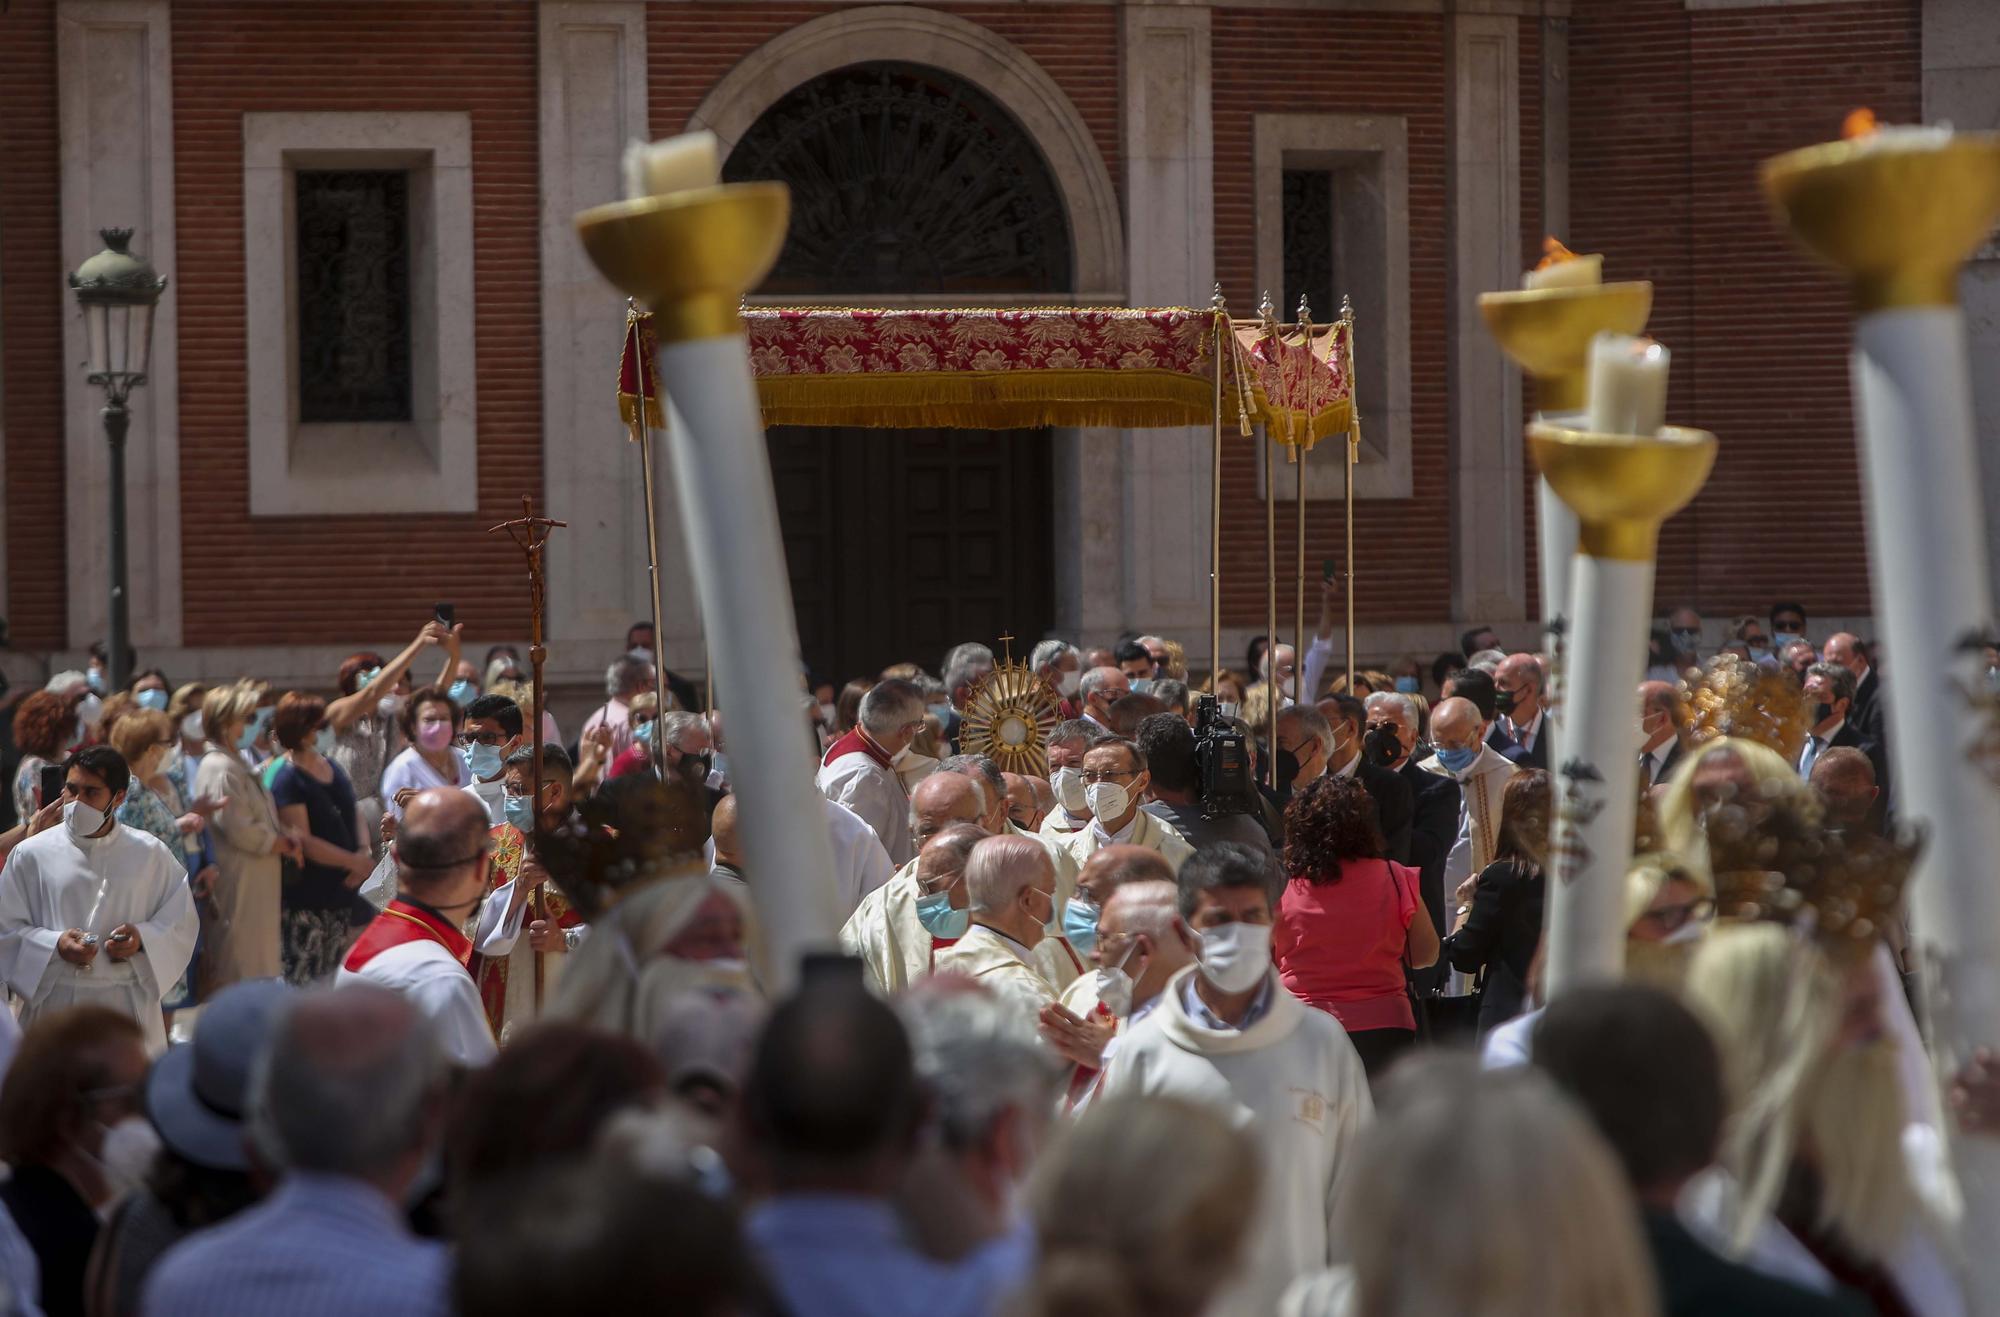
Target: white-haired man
[(1010, 888), (1100, 689), (1058, 663), (346, 1104), (1059, 961), (1068, 744), (1434, 800), (964, 668), (859, 770), (1466, 757)]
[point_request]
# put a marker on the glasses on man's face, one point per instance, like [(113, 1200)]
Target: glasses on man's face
[(1095, 775), (484, 738), (939, 882), (1672, 918)]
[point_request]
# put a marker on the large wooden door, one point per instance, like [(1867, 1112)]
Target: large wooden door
[(903, 543)]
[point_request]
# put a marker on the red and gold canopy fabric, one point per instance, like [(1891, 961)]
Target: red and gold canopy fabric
[(1018, 369)]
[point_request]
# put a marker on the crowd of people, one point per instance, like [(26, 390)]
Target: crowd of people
[(344, 1001)]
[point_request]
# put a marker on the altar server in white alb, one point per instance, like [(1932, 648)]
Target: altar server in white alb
[(95, 913), (1227, 1035), (418, 946)]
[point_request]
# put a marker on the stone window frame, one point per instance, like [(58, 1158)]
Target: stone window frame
[(430, 463), (1377, 148)]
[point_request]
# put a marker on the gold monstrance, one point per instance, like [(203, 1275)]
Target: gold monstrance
[(1008, 717)]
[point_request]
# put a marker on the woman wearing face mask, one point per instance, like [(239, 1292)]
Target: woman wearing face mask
[(239, 920), (154, 804), (430, 723), (1350, 921), (364, 721), (184, 711), (151, 690), (1500, 932), (71, 1128), (42, 724), (322, 912)]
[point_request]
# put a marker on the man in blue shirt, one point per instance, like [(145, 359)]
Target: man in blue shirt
[(833, 1107), (347, 1105)]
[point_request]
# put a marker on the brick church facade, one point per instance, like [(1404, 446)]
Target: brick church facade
[(1406, 153)]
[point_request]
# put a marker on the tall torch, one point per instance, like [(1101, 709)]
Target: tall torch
[(1899, 210), (1545, 327), (1622, 476), (690, 248)]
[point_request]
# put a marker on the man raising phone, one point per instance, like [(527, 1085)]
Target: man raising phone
[(95, 913)]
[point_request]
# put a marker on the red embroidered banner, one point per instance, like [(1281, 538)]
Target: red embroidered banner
[(1007, 369)]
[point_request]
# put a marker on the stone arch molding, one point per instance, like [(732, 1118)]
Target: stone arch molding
[(963, 49)]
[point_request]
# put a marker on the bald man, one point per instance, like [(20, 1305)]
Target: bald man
[(1142, 941), (1104, 874), (727, 862), (1463, 754), (1010, 887), (899, 928), (418, 946), (1866, 711), (1024, 811), (1844, 777)]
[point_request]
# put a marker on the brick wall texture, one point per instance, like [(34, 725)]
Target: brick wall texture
[(1670, 112)]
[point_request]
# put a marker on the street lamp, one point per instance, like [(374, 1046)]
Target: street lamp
[(117, 292)]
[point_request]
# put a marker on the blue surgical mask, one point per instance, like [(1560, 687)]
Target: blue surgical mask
[(1784, 638), (1053, 925), (519, 816), (942, 712), (1079, 924), (96, 679), (366, 675), (1685, 639), (483, 760), (323, 740), (934, 912), (463, 693), (1759, 655), (255, 727), (643, 733), (1142, 686), (152, 698), (1458, 759), (1407, 685)]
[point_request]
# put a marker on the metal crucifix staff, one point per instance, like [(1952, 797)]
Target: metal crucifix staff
[(530, 534)]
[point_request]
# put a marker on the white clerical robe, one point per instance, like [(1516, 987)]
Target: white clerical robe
[(430, 974), (999, 964), (1480, 790), (499, 934), (871, 789), (860, 862), (493, 795), (1148, 830), (895, 949), (53, 883)]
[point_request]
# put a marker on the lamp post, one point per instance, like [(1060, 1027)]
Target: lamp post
[(117, 292)]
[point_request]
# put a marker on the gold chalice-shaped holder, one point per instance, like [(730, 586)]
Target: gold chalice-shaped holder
[(1547, 332), (690, 256), (1622, 487)]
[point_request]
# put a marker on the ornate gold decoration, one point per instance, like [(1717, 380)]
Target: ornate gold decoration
[(1008, 717), (1731, 696), (1547, 332), (690, 256), (1773, 860), (1622, 487), (1899, 216)]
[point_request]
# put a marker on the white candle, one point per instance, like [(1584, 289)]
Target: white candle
[(673, 164), (1628, 385), (1576, 272)]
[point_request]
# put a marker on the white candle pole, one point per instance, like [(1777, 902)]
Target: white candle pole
[(1621, 488), (691, 256), (1899, 213)]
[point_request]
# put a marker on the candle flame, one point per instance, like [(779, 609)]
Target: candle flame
[(1554, 253), (1858, 123)]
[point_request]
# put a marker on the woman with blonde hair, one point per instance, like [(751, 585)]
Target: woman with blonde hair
[(239, 921), (1117, 1237), (1483, 1194)]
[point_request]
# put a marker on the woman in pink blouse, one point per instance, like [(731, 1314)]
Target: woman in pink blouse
[(1349, 920)]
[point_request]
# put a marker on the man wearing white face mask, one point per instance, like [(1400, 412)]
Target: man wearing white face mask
[(859, 768), (1227, 1035), (1068, 744), (1115, 781), (1010, 888), (1141, 943), (95, 913)]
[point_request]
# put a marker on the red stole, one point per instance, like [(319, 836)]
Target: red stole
[(400, 924), (854, 743), (510, 850), (939, 944)]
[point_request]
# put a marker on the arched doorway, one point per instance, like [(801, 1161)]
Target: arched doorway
[(908, 182)]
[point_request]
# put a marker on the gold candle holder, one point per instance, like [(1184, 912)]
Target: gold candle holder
[(1900, 223), (1622, 487), (1547, 333), (690, 256)]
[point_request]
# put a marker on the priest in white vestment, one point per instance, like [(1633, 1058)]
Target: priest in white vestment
[(95, 913), (1010, 889), (899, 928), (1115, 780), (418, 945), (859, 769)]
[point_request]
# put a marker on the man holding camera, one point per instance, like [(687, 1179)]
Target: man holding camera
[(1174, 795)]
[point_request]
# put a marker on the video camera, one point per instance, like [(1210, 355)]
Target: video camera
[(1222, 763)]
